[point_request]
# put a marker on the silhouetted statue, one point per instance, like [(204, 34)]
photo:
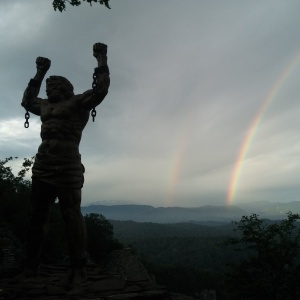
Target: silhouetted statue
[(57, 171)]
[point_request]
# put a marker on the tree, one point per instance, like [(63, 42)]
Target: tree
[(270, 268), (14, 207), (61, 4), (15, 196), (10, 183), (100, 239)]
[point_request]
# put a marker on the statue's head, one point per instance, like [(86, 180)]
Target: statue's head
[(58, 88)]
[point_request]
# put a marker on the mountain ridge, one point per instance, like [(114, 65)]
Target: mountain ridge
[(205, 213), (148, 213)]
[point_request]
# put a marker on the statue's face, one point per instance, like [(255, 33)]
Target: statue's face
[(53, 89)]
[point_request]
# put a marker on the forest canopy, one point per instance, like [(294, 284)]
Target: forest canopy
[(61, 4)]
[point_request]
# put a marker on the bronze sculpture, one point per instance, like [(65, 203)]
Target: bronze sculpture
[(57, 170)]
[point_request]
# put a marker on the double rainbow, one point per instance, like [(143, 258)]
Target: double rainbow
[(232, 190)]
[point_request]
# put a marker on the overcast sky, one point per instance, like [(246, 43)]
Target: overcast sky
[(203, 106)]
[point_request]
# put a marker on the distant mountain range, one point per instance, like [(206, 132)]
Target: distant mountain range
[(208, 214), (147, 213)]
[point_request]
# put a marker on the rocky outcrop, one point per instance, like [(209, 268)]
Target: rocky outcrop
[(120, 277)]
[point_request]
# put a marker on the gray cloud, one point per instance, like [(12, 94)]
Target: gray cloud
[(187, 80)]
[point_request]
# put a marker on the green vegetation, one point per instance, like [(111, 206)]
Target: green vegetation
[(15, 197), (61, 4), (100, 241), (271, 268), (183, 244), (250, 259), (186, 257)]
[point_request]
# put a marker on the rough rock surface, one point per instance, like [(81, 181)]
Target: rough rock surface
[(121, 277)]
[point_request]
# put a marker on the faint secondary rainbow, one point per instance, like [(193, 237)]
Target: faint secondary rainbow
[(174, 176), (254, 125), (184, 137), (176, 168)]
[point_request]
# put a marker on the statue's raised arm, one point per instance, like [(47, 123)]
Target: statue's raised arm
[(30, 100), (101, 81)]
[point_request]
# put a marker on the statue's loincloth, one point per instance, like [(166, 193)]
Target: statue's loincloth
[(64, 172)]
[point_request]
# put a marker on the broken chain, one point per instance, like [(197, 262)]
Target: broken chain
[(27, 115), (95, 76)]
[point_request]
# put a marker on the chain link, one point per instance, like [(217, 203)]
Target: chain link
[(27, 115), (95, 76)]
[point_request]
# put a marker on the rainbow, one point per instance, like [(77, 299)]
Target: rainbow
[(176, 168), (232, 189)]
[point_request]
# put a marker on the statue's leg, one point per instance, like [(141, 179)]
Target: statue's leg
[(69, 202), (42, 196)]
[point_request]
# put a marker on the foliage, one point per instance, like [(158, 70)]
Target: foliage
[(185, 264), (10, 183), (100, 239), (61, 4), (195, 252), (183, 244), (185, 257), (185, 279), (175, 252), (14, 206), (15, 196), (135, 230), (271, 266)]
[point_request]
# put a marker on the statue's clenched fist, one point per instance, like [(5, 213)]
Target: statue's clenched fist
[(43, 64), (99, 49)]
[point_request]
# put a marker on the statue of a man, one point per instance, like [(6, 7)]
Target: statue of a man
[(57, 171)]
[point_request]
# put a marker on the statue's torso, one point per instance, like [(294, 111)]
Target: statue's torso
[(62, 126)]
